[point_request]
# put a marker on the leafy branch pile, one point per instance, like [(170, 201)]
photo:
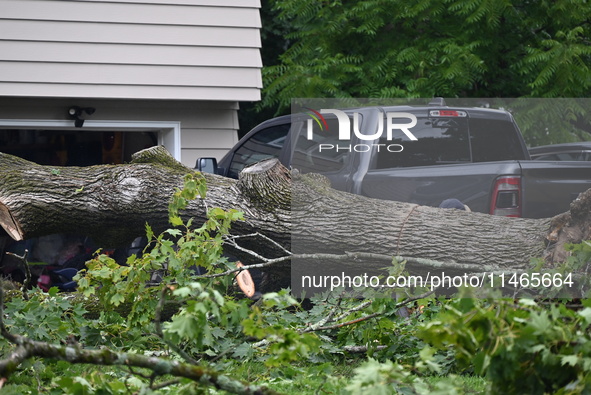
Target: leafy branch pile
[(171, 321)]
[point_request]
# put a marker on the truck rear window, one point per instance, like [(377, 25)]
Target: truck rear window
[(440, 141), (453, 140)]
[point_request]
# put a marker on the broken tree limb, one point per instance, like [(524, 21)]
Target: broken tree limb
[(26, 348), (304, 214)]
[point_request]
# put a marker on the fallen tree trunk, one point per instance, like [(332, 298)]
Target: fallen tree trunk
[(113, 203)]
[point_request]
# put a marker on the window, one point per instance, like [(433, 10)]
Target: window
[(265, 144), (564, 156), (453, 140), (440, 141), (324, 153), (571, 156), (494, 140)]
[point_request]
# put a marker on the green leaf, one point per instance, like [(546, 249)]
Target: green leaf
[(244, 350), (174, 232), (202, 189), (527, 302), (236, 215), (217, 213), (540, 322), (571, 360), (481, 362), (149, 232), (117, 299), (176, 220), (218, 332), (130, 259), (186, 326), (183, 292), (586, 314)]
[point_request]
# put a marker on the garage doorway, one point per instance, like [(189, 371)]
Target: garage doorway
[(59, 143)]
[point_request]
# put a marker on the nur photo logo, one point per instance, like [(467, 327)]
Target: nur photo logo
[(392, 122)]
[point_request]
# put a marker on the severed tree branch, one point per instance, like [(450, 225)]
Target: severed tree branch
[(362, 349), (14, 339), (159, 366), (27, 348)]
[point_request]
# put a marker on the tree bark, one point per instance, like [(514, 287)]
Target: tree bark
[(410, 230), (112, 204)]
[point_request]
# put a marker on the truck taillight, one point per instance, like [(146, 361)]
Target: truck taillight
[(506, 197)]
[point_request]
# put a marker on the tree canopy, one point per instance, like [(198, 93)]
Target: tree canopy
[(427, 48)]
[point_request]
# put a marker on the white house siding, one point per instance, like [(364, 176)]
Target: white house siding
[(127, 49), (186, 61)]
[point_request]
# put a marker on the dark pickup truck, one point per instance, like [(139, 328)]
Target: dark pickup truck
[(417, 154)]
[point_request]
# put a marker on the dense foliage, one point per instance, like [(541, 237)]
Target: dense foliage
[(451, 48), (427, 48)]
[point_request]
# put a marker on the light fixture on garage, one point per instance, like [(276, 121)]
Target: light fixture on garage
[(75, 112)]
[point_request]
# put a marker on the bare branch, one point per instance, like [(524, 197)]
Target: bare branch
[(232, 239), (267, 263), (15, 358), (25, 262), (340, 325), (361, 349)]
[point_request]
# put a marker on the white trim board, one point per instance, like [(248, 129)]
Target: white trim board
[(169, 133)]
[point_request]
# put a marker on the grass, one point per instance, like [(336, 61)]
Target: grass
[(333, 378)]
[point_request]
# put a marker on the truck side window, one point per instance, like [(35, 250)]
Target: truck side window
[(494, 140), (440, 141), (265, 144), (324, 153)]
